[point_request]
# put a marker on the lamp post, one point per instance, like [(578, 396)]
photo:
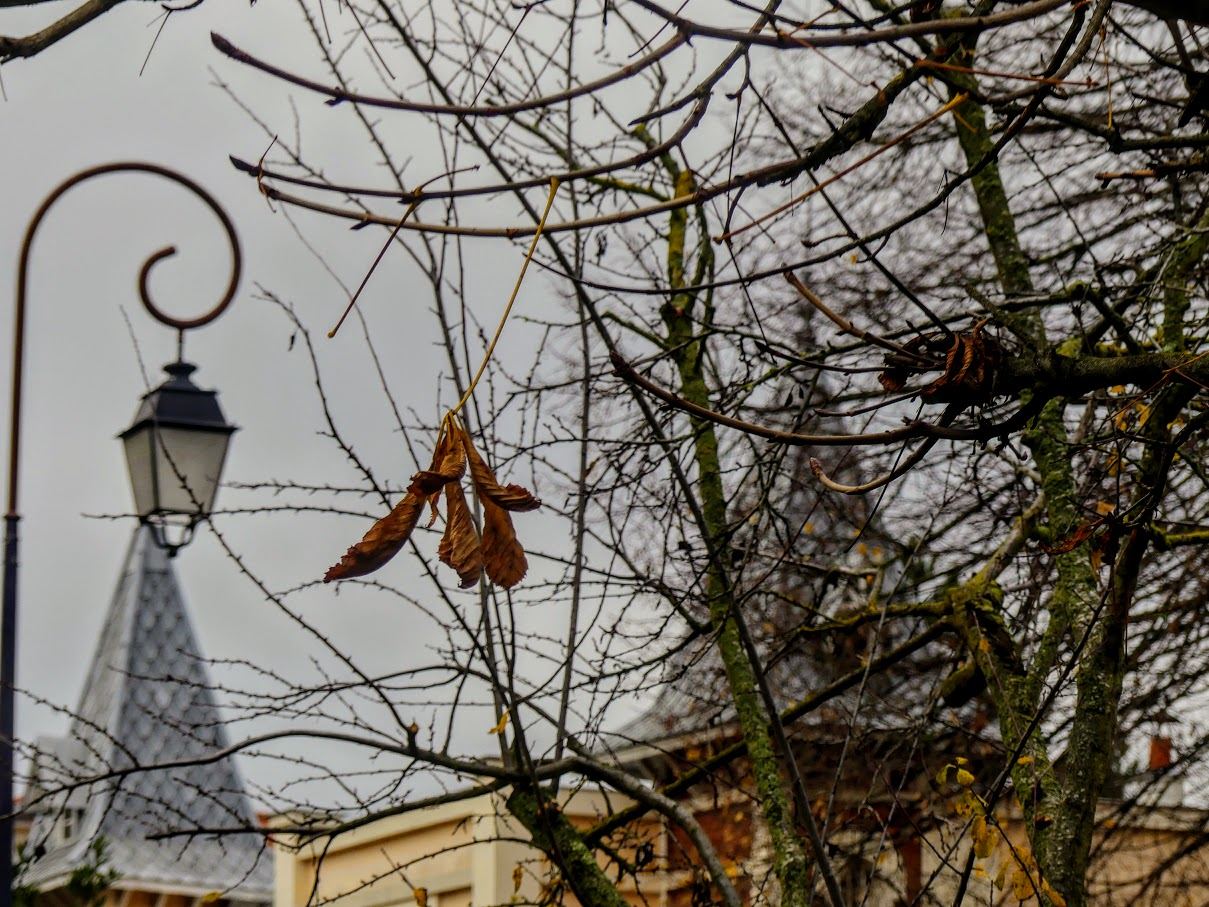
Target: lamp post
[(175, 451)]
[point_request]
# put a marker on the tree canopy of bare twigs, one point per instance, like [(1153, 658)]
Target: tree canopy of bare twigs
[(869, 419)]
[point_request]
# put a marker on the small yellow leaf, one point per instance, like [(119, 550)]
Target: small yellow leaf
[(964, 777), (965, 806), (943, 775), (1001, 875), (1025, 760), (498, 729), (421, 896), (962, 760), (1022, 886), (984, 838), (211, 896), (1056, 899), (808, 529), (518, 876)]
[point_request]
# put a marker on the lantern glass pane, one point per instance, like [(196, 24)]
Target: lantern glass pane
[(175, 470), (140, 448)]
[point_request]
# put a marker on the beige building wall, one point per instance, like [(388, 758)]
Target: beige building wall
[(465, 855), (455, 855)]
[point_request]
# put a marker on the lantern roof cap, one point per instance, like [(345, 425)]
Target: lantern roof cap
[(180, 402)]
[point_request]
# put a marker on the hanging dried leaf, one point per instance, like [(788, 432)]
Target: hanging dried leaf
[(390, 533), (900, 367), (459, 546), (448, 465), (498, 552), (510, 497), (383, 540), (503, 557)]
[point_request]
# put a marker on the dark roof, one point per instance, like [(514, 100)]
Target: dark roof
[(693, 702), (147, 701)]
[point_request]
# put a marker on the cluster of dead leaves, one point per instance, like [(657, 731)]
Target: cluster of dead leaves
[(971, 363), (498, 552), (1104, 546)]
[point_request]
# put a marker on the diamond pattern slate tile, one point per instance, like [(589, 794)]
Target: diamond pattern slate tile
[(147, 701)]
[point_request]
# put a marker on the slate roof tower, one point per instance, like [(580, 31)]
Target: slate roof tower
[(147, 700)]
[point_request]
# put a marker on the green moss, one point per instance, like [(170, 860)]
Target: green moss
[(562, 843)]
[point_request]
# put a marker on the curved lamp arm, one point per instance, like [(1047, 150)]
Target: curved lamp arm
[(8, 613), (144, 292)]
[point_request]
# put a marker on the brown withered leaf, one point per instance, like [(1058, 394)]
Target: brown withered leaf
[(971, 366), (510, 497), (448, 465), (503, 557), (390, 533), (922, 10), (459, 546), (900, 367), (383, 540), (1077, 538)]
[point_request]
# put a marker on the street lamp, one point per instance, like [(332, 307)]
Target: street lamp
[(175, 450)]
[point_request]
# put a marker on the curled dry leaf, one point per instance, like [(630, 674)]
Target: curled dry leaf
[(390, 533), (971, 367), (382, 542), (448, 465), (510, 497), (1077, 538), (459, 546), (503, 557)]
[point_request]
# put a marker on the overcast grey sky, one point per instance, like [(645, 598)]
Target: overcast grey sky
[(82, 103)]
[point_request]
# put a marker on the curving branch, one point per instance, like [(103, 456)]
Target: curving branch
[(30, 45), (339, 95), (790, 40)]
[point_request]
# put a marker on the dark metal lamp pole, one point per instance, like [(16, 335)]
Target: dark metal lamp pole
[(175, 450)]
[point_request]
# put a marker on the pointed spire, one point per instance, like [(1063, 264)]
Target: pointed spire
[(147, 701)]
